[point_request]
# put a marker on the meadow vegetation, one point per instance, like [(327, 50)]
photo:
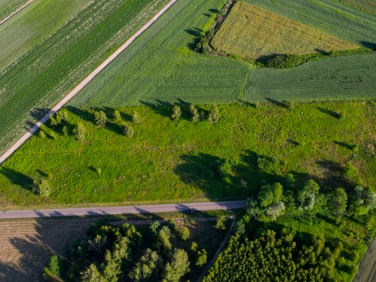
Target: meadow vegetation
[(224, 153), (252, 32), (7, 7)]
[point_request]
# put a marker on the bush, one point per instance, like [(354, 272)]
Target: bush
[(184, 233), (285, 61), (54, 269)]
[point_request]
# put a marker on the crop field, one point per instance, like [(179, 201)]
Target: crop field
[(33, 25), (167, 161), (161, 67), (329, 16), (338, 78), (27, 245), (364, 5), (46, 73), (252, 32), (7, 7)]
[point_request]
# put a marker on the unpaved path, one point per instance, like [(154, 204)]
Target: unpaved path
[(83, 83), (367, 268), (95, 211), (17, 11)]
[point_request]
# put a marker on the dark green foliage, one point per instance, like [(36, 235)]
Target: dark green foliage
[(362, 201), (307, 196), (146, 268), (274, 258), (286, 61), (226, 170), (127, 130), (269, 164), (203, 45), (339, 202)]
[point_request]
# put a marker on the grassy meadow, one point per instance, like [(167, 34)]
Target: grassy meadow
[(33, 25), (178, 161), (45, 74), (364, 5), (252, 32)]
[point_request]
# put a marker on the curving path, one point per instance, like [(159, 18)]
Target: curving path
[(16, 11), (83, 83), (95, 211)]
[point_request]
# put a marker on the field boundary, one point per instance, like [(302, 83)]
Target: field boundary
[(83, 83), (16, 12)]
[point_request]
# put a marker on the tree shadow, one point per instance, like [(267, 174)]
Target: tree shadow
[(196, 33), (17, 178), (368, 45), (329, 112), (161, 108), (82, 114), (322, 52), (277, 103), (344, 145), (246, 103)]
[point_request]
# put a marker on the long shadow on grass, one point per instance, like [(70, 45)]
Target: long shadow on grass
[(17, 178), (330, 113), (368, 45)]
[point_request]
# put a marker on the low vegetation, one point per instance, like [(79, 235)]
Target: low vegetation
[(7, 7), (223, 154)]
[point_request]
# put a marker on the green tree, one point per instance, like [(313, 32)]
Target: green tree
[(226, 170), (220, 223), (127, 131), (164, 238), (54, 269), (308, 195), (270, 194), (136, 117), (41, 187), (79, 131), (176, 113), (214, 116), (117, 116), (146, 268), (339, 202), (195, 116), (100, 118), (184, 233), (177, 267), (202, 258)]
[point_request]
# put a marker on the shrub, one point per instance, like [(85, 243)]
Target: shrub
[(100, 118), (176, 113)]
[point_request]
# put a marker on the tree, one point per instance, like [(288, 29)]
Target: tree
[(54, 269), (177, 267), (270, 194), (195, 116), (220, 224), (339, 202), (275, 210), (127, 131), (145, 269), (214, 115), (176, 113), (184, 233), (201, 258), (136, 117), (117, 116), (100, 118), (226, 170), (308, 195), (80, 131), (164, 235), (91, 274), (41, 187), (362, 201)]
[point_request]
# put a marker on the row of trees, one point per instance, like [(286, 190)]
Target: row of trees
[(195, 115), (117, 253)]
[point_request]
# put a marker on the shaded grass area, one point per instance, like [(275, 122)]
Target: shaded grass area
[(167, 160), (46, 73)]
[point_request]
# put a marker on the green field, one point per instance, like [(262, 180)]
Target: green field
[(330, 16), (364, 5), (160, 67), (51, 69), (7, 7), (167, 161), (33, 25)]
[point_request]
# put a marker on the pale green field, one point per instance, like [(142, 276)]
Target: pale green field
[(33, 25), (9, 6)]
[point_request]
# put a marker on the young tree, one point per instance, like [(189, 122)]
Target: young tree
[(220, 224), (164, 238), (226, 170), (54, 269), (80, 131), (201, 258), (136, 117), (177, 267), (339, 202), (117, 116), (100, 118), (270, 194), (184, 233), (127, 131), (41, 187), (176, 113), (195, 116), (308, 195), (214, 115), (145, 269)]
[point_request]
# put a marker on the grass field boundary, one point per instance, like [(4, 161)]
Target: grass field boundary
[(83, 83), (16, 12)]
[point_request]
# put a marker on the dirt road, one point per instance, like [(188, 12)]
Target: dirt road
[(83, 83), (17, 11), (122, 210)]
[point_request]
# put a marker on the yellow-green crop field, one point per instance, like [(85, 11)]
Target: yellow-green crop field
[(252, 32)]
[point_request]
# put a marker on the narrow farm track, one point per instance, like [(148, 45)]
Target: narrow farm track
[(16, 12), (83, 83), (96, 211)]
